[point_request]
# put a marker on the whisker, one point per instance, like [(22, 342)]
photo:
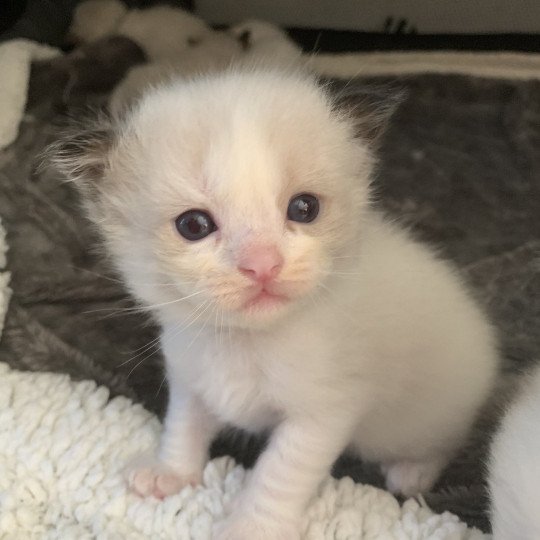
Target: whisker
[(144, 309), (209, 302), (325, 287), (177, 333), (97, 274), (153, 344), (161, 385), (331, 298), (123, 282), (221, 329), (230, 337), (153, 306), (201, 329), (145, 346), (215, 324), (157, 342), (115, 310), (312, 298), (135, 367), (353, 277)]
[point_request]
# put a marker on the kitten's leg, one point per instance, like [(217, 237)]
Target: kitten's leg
[(187, 432), (409, 478), (299, 456)]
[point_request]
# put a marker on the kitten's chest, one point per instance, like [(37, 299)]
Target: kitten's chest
[(236, 387)]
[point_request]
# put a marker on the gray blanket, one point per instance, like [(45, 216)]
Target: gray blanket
[(461, 163)]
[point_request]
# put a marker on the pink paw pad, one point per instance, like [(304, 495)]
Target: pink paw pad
[(159, 482)]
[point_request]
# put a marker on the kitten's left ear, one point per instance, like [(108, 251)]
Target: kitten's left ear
[(370, 109)]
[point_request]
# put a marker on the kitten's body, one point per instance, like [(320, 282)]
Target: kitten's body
[(515, 468), (362, 338), (355, 348)]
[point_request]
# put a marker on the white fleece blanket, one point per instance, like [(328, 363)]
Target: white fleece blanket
[(15, 60), (5, 291), (63, 446)]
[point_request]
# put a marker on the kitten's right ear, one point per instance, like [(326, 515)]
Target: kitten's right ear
[(81, 154)]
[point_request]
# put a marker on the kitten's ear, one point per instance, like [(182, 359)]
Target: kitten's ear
[(81, 154), (370, 109), (245, 39)]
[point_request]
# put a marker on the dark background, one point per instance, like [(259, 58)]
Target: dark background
[(46, 21)]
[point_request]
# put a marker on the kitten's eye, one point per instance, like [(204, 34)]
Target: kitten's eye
[(303, 208), (195, 225)]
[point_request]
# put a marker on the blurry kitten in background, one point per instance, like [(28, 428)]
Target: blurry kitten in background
[(238, 206), (251, 42)]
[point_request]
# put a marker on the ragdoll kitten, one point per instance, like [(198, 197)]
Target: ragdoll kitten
[(237, 205), (514, 477), (162, 31)]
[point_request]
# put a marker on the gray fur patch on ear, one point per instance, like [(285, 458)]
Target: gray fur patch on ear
[(81, 153), (370, 107)]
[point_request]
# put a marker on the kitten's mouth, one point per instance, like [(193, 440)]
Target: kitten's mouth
[(265, 299)]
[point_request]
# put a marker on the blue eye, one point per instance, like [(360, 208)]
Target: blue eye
[(195, 225), (303, 208)]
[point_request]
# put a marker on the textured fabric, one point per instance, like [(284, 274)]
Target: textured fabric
[(64, 450), (15, 61), (460, 163), (5, 291)]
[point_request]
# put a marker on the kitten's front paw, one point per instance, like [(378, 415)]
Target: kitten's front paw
[(159, 481), (252, 527), (410, 478)]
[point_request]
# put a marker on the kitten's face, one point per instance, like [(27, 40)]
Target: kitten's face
[(240, 194)]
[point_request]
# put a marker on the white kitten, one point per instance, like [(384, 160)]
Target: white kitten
[(515, 468), (237, 205), (162, 31)]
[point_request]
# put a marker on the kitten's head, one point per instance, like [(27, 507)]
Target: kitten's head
[(240, 192)]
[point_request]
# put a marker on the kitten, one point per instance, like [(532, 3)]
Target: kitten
[(162, 31), (238, 206), (515, 468)]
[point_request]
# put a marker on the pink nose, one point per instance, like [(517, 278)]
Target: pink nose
[(260, 262)]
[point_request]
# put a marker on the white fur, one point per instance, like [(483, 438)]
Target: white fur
[(380, 345), (515, 468), (267, 42), (214, 51), (162, 31), (95, 19)]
